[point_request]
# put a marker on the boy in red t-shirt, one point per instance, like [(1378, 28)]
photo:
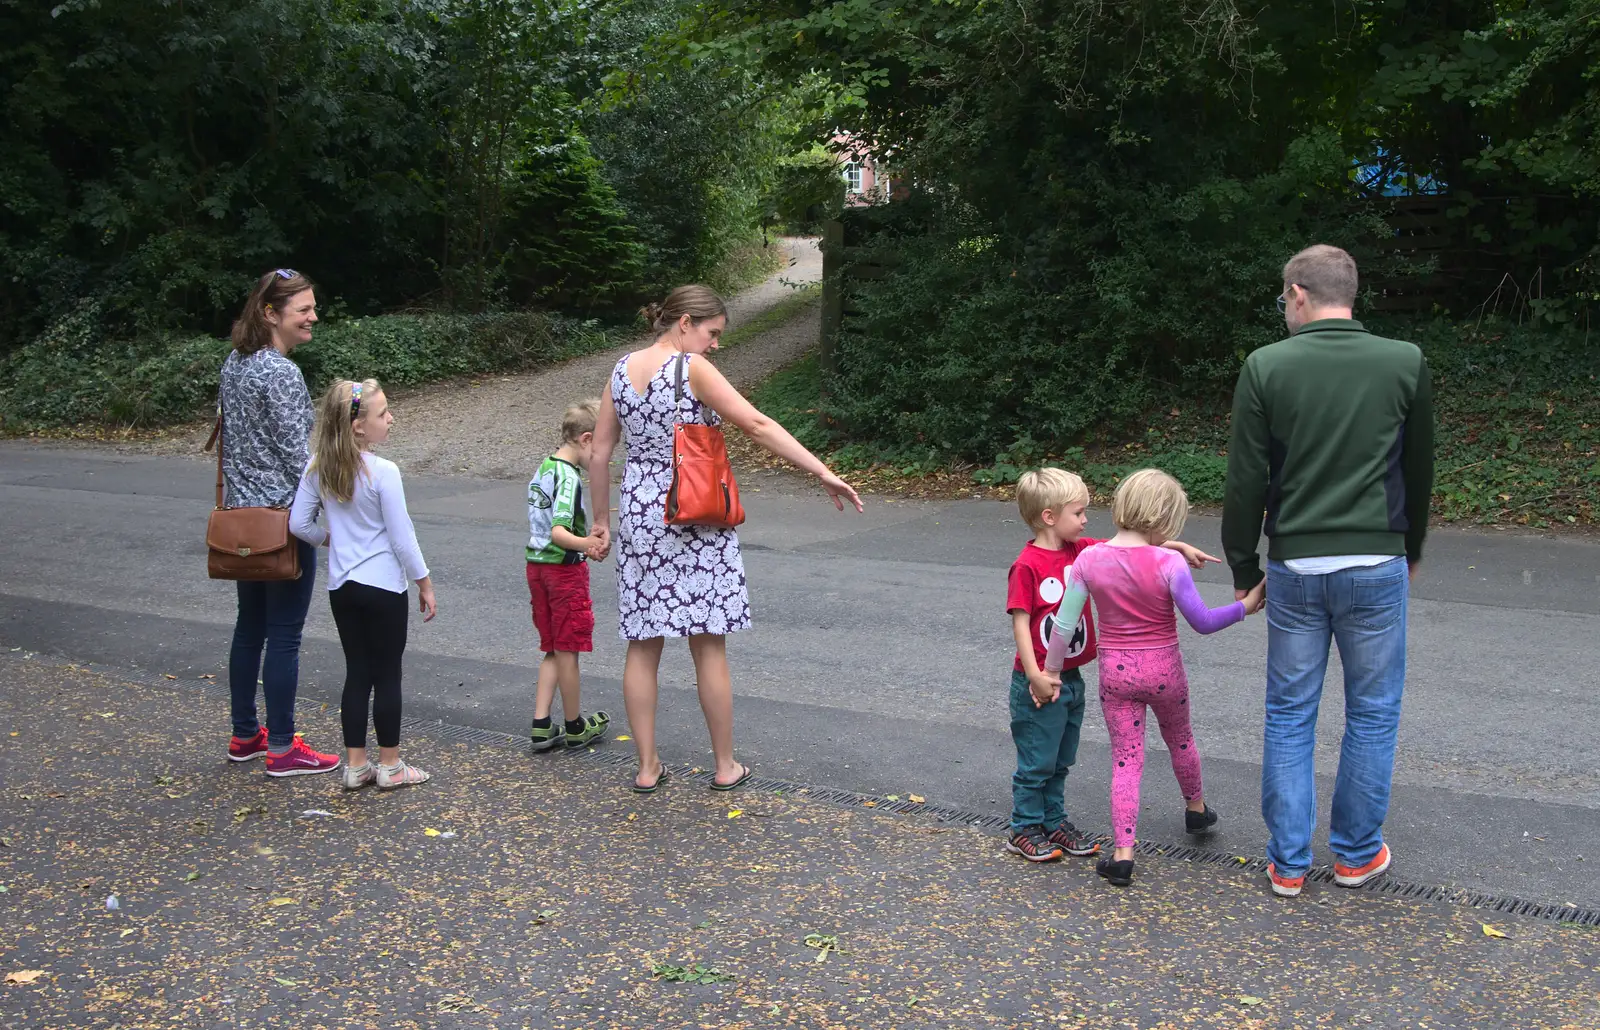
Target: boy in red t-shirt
[(1047, 710)]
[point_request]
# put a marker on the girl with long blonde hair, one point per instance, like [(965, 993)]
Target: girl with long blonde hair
[(372, 557)]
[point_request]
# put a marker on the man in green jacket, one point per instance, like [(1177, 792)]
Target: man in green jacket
[(1332, 446)]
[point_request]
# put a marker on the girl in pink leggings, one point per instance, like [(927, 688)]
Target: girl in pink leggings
[(1135, 584)]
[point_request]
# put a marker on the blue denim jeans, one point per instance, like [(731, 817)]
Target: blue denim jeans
[(1364, 611), (270, 614), (1047, 746)]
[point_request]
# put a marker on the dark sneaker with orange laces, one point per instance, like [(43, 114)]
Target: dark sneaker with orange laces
[(1034, 845), (248, 749), (1355, 876), (1074, 841), (300, 760)]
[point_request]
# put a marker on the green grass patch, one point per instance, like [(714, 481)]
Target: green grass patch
[(1518, 438), (747, 264), (777, 316), (66, 378)]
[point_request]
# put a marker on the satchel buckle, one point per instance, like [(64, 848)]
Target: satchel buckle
[(244, 552)]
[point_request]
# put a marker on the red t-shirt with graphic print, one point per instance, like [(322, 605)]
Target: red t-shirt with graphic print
[(1036, 584)]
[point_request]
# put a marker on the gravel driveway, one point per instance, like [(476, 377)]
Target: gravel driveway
[(502, 426)]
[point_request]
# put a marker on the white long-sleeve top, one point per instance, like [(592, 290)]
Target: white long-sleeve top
[(374, 541)]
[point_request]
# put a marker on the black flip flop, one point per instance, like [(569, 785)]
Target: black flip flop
[(663, 778), (744, 775)]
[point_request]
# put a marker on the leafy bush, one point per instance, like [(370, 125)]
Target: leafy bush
[(68, 376)]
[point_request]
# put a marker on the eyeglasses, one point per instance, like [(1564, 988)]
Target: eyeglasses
[(355, 401), (1283, 299), (286, 273)]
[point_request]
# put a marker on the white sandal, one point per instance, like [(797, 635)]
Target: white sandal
[(400, 775)]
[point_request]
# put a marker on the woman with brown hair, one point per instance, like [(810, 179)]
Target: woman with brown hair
[(266, 432), (679, 581)]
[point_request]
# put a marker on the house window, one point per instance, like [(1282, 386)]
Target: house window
[(852, 176)]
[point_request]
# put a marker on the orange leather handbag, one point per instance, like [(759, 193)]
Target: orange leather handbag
[(703, 492), (248, 543)]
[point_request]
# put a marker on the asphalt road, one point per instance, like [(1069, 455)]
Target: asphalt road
[(881, 654)]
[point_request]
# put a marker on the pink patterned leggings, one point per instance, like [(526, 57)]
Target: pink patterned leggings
[(1130, 680)]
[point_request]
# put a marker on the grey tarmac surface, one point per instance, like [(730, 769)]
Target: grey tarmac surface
[(880, 655)]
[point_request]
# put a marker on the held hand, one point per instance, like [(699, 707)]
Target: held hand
[(1193, 555), (1411, 571), (1254, 598), (425, 601), (1044, 686), (840, 491)]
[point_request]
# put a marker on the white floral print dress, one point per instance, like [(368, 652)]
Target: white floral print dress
[(672, 581)]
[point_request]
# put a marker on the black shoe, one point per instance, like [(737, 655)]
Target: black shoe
[(1199, 822), (1118, 874), (1033, 845), (1073, 841)]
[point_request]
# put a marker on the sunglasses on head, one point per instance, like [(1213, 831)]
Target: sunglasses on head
[(285, 273)]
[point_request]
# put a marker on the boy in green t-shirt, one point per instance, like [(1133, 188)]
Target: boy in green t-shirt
[(559, 546)]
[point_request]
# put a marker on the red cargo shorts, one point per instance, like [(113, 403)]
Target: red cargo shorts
[(562, 611)]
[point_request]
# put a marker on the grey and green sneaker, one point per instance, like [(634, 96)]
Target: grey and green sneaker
[(594, 727), (547, 737)]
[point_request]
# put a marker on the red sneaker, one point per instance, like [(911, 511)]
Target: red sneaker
[(1285, 886), (247, 749), (300, 760), (1355, 876)]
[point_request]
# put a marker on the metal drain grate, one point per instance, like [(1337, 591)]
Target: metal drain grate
[(987, 823)]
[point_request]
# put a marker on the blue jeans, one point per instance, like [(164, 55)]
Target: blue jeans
[(273, 614), (1364, 610), (1047, 746)]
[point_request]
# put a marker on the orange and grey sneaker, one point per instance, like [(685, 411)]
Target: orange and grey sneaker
[(1032, 844), (1355, 876), (1074, 841), (1285, 886)]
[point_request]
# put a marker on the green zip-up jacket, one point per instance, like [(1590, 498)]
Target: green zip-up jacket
[(1332, 445)]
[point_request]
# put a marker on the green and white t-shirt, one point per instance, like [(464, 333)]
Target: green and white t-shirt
[(555, 498)]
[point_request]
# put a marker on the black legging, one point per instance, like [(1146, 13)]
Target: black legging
[(372, 630)]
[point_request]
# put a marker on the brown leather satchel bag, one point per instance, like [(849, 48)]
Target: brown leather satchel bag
[(248, 543), (703, 492)]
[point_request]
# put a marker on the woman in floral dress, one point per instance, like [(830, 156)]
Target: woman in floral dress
[(679, 581)]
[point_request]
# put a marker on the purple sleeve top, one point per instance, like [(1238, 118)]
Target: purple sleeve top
[(1201, 618)]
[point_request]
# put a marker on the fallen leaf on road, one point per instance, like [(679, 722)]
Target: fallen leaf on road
[(192, 877), (632, 816), (280, 902), (734, 813), (894, 797), (1250, 999), (128, 932), (24, 976), (917, 799), (1489, 931), (430, 832), (169, 675), (624, 737), (287, 983), (1241, 860)]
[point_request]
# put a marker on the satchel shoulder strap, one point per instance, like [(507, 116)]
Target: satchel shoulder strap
[(677, 383), (216, 441)]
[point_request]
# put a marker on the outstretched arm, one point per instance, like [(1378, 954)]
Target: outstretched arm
[(1195, 611), (712, 388)]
